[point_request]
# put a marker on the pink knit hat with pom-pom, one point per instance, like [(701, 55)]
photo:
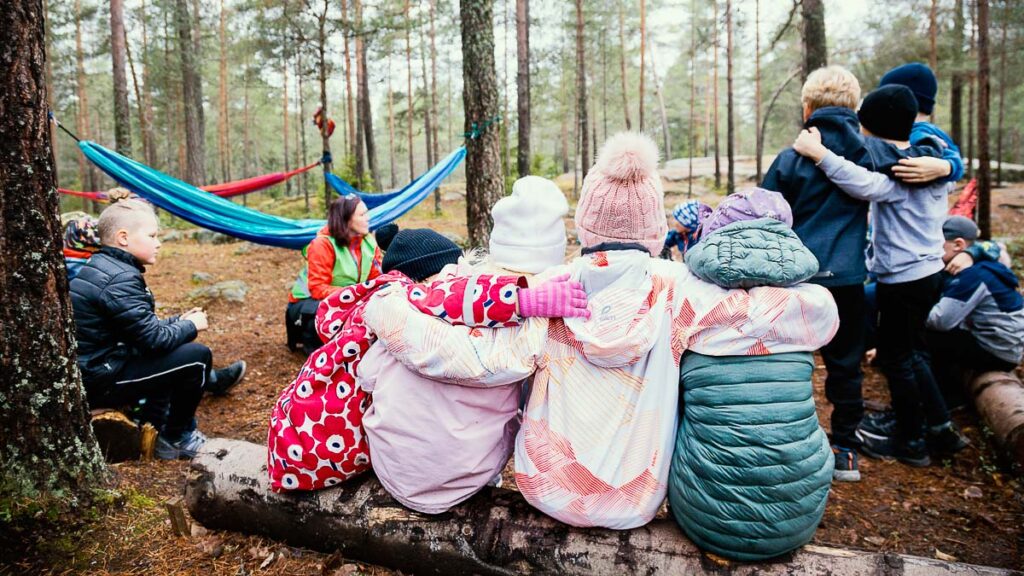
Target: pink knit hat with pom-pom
[(622, 199)]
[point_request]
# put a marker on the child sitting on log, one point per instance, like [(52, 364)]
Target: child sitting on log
[(434, 444), (752, 467), (127, 354), (598, 429)]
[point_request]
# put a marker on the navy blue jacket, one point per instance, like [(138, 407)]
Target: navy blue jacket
[(830, 223), (115, 317)]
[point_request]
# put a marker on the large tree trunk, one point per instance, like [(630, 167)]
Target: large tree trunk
[(122, 115), (581, 94), (957, 79), (643, 51), (984, 168), (484, 184), (495, 533), (523, 86), (46, 444), (350, 115), (409, 109), (192, 92), (223, 135), (1002, 96), (814, 44), (622, 63), (730, 129), (714, 96), (757, 92)]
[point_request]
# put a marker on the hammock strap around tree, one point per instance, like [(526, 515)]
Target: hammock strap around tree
[(221, 215)]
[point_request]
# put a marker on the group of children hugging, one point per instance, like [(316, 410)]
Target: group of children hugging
[(616, 379)]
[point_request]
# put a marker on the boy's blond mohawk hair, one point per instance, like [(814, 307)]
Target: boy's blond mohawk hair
[(831, 86), (122, 215)]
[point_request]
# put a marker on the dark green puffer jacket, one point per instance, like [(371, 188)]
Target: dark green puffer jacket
[(752, 467)]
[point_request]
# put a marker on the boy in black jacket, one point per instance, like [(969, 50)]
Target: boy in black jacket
[(834, 227), (125, 353)]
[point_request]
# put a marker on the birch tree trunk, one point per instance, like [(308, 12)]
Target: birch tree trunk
[(484, 184), (46, 443)]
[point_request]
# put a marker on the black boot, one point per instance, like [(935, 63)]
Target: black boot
[(226, 378)]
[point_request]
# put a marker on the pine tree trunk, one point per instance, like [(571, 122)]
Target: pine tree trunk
[(86, 174), (49, 41), (324, 125), (523, 86), (284, 109), (192, 91), (622, 63), (371, 149), (691, 130), (604, 80), (409, 109), (46, 443), (666, 151), (140, 103), (730, 129), (246, 143), (122, 115), (970, 92), (957, 80), (643, 51), (480, 98), (1002, 97), (359, 144), (428, 120), (581, 94), (433, 100), (223, 136), (349, 113), (984, 167), (933, 31), (757, 91), (301, 149), (815, 47), (391, 130), (146, 118), (714, 96)]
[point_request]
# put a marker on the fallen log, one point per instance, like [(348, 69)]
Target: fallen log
[(999, 398), (496, 532)]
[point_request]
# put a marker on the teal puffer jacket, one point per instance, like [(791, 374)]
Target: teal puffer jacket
[(763, 252), (752, 467)]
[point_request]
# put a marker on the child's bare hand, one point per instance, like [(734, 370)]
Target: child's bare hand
[(921, 170), (959, 263), (197, 317), (808, 144)]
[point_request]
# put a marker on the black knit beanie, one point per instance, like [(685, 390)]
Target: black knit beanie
[(921, 81), (419, 253), (889, 112), (385, 234)]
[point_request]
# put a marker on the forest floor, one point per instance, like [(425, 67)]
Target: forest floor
[(970, 508)]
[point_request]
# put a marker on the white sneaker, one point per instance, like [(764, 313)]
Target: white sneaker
[(186, 448)]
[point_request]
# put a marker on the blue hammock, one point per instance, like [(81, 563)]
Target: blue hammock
[(341, 188), (220, 215)]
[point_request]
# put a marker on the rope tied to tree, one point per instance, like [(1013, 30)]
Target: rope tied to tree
[(477, 129), (61, 126), (326, 158)]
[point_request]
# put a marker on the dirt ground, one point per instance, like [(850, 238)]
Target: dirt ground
[(970, 508)]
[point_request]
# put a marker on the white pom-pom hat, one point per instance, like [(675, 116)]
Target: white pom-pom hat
[(622, 199), (529, 233)]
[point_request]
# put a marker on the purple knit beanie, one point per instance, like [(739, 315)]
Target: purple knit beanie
[(748, 204)]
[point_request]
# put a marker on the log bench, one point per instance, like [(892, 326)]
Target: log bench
[(493, 533)]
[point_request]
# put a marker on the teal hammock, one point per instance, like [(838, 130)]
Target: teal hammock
[(220, 215)]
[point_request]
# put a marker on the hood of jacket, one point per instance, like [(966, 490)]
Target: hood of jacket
[(762, 252), (629, 305)]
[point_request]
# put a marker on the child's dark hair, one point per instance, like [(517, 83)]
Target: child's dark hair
[(339, 216)]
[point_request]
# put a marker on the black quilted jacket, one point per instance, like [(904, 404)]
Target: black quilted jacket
[(115, 317)]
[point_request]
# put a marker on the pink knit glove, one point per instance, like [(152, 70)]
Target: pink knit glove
[(556, 298)]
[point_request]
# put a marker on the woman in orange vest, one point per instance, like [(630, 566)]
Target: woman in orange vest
[(343, 253)]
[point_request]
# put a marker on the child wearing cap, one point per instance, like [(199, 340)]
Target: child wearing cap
[(833, 225), (907, 261), (920, 79), (436, 444), (598, 429), (687, 218), (978, 323)]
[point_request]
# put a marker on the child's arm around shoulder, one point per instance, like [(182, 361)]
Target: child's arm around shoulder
[(856, 181), (127, 303)]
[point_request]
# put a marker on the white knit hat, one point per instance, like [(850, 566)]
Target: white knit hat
[(529, 233)]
